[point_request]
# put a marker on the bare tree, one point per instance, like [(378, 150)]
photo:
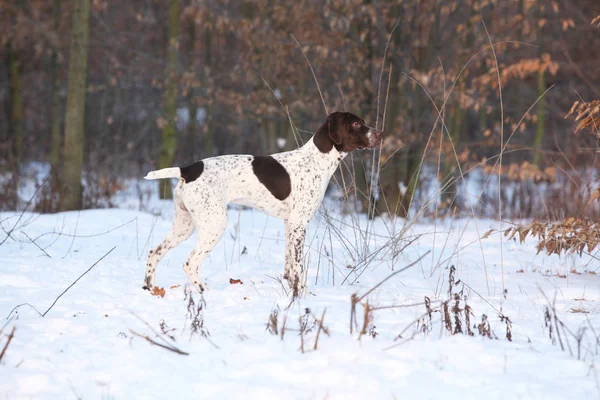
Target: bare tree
[(169, 136), (71, 189)]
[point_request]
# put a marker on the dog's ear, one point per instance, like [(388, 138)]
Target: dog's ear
[(329, 133), (334, 126)]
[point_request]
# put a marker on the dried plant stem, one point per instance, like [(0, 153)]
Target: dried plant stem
[(155, 343), (10, 337), (462, 176), (411, 324), (501, 150), (321, 328), (390, 276)]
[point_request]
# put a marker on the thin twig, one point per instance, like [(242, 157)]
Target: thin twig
[(404, 305), (23, 304), (409, 325), (391, 276), (76, 280), (170, 348), (36, 245), (501, 150), (10, 337), (313, 73), (23, 212)]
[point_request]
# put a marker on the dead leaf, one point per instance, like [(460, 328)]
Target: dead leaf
[(235, 281), (158, 291), (487, 234), (579, 311), (174, 286)]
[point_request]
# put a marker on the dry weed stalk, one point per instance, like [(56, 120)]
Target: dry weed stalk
[(165, 330), (356, 299), (11, 335), (559, 332), (455, 316), (162, 336), (484, 328), (307, 323), (155, 343), (367, 318), (273, 322), (548, 324), (321, 328), (195, 313)]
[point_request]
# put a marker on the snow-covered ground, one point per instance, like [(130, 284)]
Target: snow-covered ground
[(84, 347)]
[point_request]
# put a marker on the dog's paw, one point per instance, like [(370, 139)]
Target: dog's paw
[(148, 283)]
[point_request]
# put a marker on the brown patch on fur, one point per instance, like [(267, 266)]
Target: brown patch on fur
[(192, 172), (273, 175)]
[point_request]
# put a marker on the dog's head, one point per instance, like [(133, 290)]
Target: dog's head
[(346, 132)]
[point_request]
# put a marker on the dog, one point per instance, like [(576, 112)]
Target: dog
[(288, 185)]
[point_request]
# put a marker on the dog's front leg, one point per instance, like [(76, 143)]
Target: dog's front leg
[(294, 246)]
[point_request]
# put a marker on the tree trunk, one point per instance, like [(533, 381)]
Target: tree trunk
[(392, 168), (191, 141), (209, 139), (16, 122), (169, 138), (71, 188), (55, 132), (538, 139)]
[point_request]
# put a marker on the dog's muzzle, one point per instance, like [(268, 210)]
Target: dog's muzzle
[(375, 137)]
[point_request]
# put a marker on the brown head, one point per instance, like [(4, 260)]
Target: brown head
[(346, 132)]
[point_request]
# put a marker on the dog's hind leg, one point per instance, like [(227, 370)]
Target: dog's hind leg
[(210, 223), (181, 230)]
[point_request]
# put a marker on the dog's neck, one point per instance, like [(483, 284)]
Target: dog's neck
[(331, 154)]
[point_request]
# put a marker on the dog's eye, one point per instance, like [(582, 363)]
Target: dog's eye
[(356, 124)]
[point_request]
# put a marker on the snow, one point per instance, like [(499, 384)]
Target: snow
[(84, 348)]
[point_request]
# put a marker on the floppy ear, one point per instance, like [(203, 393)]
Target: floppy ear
[(334, 125), (329, 133)]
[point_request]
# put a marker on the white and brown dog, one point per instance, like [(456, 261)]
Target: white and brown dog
[(288, 185)]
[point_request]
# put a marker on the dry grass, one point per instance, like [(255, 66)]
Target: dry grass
[(195, 313), (309, 327)]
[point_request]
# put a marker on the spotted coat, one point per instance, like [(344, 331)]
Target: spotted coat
[(288, 185)]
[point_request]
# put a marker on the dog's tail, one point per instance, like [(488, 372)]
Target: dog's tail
[(164, 173)]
